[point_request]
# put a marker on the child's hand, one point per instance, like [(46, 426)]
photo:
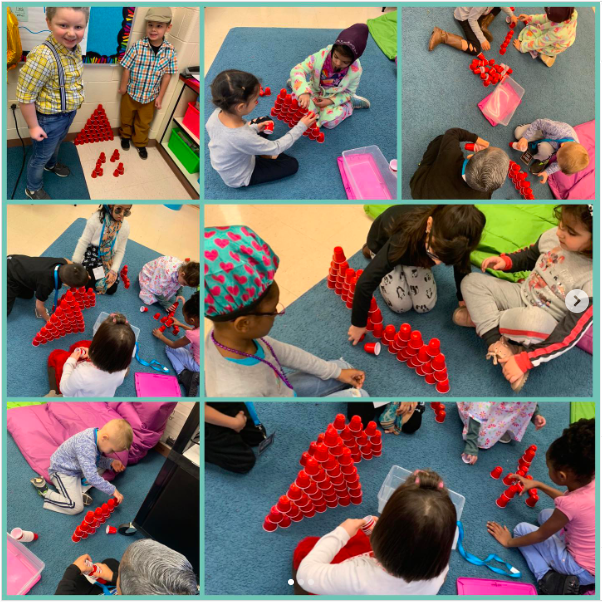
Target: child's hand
[(500, 533), (157, 333), (118, 495), (37, 133), (543, 177), (514, 19), (117, 466), (486, 45), (510, 369), (351, 376), (516, 44), (469, 459), (157, 103), (523, 144), (181, 301), (495, 263), (80, 562), (121, 90), (111, 277), (309, 119), (539, 422), (79, 353), (525, 18), (322, 102), (406, 408), (526, 483), (355, 334), (304, 99), (481, 142), (352, 525), (261, 126), (240, 421)]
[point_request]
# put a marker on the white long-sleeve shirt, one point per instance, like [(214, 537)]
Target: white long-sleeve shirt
[(84, 379), (357, 576), (91, 236)]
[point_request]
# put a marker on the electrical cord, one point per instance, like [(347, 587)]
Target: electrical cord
[(14, 110)]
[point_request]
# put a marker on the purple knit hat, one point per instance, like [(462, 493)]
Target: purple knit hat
[(355, 38)]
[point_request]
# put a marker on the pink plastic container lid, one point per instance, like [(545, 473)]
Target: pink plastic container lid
[(156, 385), (468, 586), (23, 568)]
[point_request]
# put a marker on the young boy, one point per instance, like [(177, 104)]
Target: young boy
[(147, 68), (40, 276), (242, 301), (548, 138), (78, 459), (50, 91)]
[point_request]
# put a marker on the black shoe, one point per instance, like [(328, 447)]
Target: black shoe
[(125, 143), (555, 584), (142, 152), (190, 381), (538, 166), (62, 171), (37, 195)]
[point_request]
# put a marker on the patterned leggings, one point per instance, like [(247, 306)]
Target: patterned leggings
[(329, 117)]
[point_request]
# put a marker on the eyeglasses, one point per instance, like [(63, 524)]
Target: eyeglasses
[(428, 246), (120, 210), (280, 311)]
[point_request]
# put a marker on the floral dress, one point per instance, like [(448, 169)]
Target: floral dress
[(159, 279), (546, 37)]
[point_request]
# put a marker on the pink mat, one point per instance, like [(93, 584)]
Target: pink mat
[(156, 385), (468, 586)]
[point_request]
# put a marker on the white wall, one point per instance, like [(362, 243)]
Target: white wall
[(102, 81)]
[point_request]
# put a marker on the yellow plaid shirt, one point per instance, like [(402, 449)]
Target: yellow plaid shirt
[(39, 78)]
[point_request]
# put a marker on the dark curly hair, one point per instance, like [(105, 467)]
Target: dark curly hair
[(576, 214), (576, 450), (192, 307), (232, 87)]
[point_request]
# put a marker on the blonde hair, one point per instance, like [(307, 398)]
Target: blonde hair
[(572, 158), (122, 433), (51, 11)]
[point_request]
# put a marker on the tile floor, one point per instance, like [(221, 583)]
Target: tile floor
[(151, 179)]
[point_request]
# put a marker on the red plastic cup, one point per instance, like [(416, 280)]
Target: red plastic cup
[(339, 422), (511, 491), (507, 480), (438, 363), (312, 467), (302, 480), (496, 473), (284, 504), (532, 500), (111, 530), (502, 501), (268, 525), (355, 424), (89, 519), (322, 453), (442, 387), (76, 538), (275, 515), (356, 500), (440, 416), (377, 330)]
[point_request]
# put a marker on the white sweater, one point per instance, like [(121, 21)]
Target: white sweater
[(91, 236), (84, 379), (357, 576)]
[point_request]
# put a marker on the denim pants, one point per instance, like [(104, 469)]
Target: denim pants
[(46, 152), (307, 385), (550, 554)]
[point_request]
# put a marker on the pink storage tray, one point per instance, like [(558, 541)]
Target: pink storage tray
[(350, 194), (468, 586), (367, 174), (23, 568), (156, 385)]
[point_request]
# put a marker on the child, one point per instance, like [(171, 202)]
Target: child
[(474, 21), (407, 553), (230, 433), (487, 422), (239, 151), (147, 68), (405, 242), (561, 553), (400, 417), (334, 75), (184, 353), (94, 368), (79, 459), (549, 34), (40, 276), (163, 278), (241, 299), (548, 138), (101, 247), (444, 173), (48, 105), (534, 312)]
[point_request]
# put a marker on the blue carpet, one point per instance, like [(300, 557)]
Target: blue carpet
[(72, 187), (440, 92), (270, 54), (235, 505), (26, 364), (318, 322), (54, 546)]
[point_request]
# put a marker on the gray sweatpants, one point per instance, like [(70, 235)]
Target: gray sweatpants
[(544, 149), (407, 288), (492, 302), (68, 498)]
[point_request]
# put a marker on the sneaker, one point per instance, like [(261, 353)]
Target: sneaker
[(461, 317), (87, 499), (505, 438), (555, 584), (501, 350), (40, 485), (37, 195), (359, 102), (142, 152), (289, 84), (62, 171), (538, 166), (125, 143)]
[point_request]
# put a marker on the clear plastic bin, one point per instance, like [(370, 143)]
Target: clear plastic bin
[(103, 316), (23, 568), (369, 174), (397, 475), (503, 101)]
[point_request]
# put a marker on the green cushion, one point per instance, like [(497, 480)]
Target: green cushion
[(20, 404), (384, 31), (582, 409)]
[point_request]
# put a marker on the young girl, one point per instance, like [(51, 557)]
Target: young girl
[(240, 153), (487, 422), (474, 21), (561, 553), (184, 353), (534, 312), (163, 278), (405, 242), (549, 34), (94, 368), (334, 75), (101, 247), (407, 553)]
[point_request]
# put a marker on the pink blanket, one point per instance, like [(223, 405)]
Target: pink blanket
[(39, 430)]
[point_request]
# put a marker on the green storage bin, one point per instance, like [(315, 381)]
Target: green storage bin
[(187, 156)]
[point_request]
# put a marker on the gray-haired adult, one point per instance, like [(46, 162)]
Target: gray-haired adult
[(147, 568), (445, 173)]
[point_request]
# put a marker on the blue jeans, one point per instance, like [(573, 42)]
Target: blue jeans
[(307, 385), (46, 152), (181, 359), (551, 553)]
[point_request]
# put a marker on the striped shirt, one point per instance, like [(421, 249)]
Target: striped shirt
[(147, 68), (39, 78)]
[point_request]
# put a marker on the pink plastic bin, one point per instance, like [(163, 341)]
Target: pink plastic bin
[(499, 106), (156, 385), (468, 586), (368, 174), (23, 568), (192, 120)]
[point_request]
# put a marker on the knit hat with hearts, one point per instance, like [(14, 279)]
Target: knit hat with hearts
[(239, 268)]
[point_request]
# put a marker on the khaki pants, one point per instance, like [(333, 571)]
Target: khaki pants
[(136, 118)]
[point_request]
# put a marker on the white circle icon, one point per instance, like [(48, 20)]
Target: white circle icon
[(576, 301)]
